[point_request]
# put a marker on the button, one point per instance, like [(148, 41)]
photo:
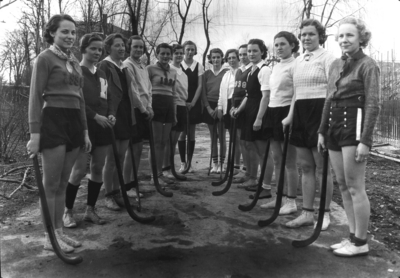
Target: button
[(345, 112), (345, 119), (345, 125), (330, 119), (331, 113)]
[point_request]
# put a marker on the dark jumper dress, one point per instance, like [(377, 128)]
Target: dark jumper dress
[(239, 93), (195, 114), (254, 96)]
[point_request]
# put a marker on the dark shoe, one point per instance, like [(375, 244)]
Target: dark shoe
[(252, 188), (265, 194), (118, 199), (91, 216)]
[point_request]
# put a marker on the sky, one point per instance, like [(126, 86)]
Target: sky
[(263, 19)]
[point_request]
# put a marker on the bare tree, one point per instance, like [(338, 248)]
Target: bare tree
[(182, 7), (205, 6), (7, 4)]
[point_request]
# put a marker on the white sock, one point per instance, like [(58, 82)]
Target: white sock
[(266, 186)]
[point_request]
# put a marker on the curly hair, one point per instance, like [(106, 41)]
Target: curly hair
[(229, 51), (261, 45), (87, 39), (218, 51), (108, 42), (129, 43), (186, 43), (363, 31), (54, 24), (320, 29), (291, 39)]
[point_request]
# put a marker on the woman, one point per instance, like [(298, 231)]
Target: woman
[(99, 124), (225, 95), (211, 85), (348, 119), (194, 72), (57, 119), (123, 94), (253, 107), (281, 82), (310, 79), (181, 88), (163, 80)]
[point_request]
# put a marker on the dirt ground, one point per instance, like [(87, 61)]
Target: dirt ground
[(198, 235)]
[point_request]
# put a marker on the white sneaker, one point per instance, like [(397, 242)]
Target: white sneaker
[(183, 167), (271, 204), (289, 207), (214, 170), (64, 247), (132, 193), (325, 222), (344, 242), (192, 169), (239, 174), (160, 181), (306, 218), (350, 250), (68, 219), (66, 239), (168, 174)]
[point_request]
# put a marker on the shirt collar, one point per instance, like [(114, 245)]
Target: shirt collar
[(220, 70), (288, 60), (134, 62), (192, 66), (121, 66), (357, 56), (314, 54), (245, 67)]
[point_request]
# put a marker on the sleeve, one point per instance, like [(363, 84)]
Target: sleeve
[(110, 98), (324, 125), (328, 62), (372, 88), (149, 104), (134, 89), (204, 91), (200, 70), (223, 88), (83, 110), (263, 78), (39, 79), (90, 113)]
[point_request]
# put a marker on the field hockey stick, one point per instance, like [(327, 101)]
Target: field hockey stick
[(47, 219), (278, 202), (128, 207), (214, 134), (172, 160), (217, 183), (154, 164), (229, 183), (250, 206), (221, 145), (321, 211), (135, 176), (188, 157)]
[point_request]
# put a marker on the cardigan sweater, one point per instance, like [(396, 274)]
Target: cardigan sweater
[(53, 86), (181, 86), (226, 89), (281, 83), (359, 78), (141, 76)]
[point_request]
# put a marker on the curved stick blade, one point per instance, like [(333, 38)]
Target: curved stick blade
[(154, 165), (275, 214), (172, 160), (47, 220), (259, 185), (229, 183), (128, 207), (188, 157), (321, 211)]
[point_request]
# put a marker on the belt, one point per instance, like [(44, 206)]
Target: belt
[(357, 102)]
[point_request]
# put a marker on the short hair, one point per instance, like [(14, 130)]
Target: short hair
[(320, 29), (108, 42), (243, 46), (261, 45), (186, 43), (176, 47), (218, 51), (53, 24), (129, 43), (229, 51), (290, 38), (363, 31), (163, 45), (87, 39)]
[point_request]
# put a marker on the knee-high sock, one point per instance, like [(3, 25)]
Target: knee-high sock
[(191, 149), (182, 150), (93, 192), (70, 195)]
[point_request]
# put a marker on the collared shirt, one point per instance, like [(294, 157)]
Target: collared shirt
[(142, 79), (281, 83), (193, 67), (263, 75), (245, 67), (360, 78), (310, 78), (120, 66), (226, 89)]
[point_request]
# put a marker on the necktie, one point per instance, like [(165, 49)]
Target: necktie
[(307, 56)]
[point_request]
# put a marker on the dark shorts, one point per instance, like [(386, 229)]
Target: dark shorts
[(181, 116), (227, 116), (207, 117), (272, 127), (240, 118), (345, 127), (61, 126), (142, 127), (98, 135), (123, 127), (163, 107), (196, 114), (306, 121), (250, 116)]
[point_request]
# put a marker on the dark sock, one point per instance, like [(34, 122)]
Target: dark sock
[(359, 242), (244, 168), (290, 197), (352, 235), (215, 159), (166, 168), (182, 150), (70, 195), (222, 160), (191, 149), (306, 209), (93, 192), (236, 166), (129, 185)]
